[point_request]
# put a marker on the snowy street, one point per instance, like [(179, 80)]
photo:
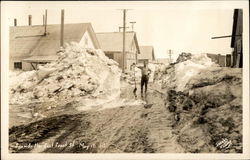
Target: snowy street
[(124, 80), (120, 129), (190, 106)]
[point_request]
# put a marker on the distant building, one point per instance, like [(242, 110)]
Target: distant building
[(147, 54), (236, 41), (112, 45), (162, 60), (30, 47), (218, 59)]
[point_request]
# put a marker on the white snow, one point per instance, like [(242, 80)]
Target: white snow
[(78, 73), (184, 71), (180, 74)]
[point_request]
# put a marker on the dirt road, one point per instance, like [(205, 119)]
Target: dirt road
[(129, 129)]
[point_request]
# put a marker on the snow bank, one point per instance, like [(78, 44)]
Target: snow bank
[(179, 74), (206, 104), (152, 67), (186, 70), (131, 76), (78, 72), (210, 111)]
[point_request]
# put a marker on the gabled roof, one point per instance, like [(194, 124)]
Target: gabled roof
[(40, 58), (113, 41), (28, 41), (147, 52)]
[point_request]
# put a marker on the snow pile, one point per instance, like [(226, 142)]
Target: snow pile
[(78, 72), (132, 75), (153, 68), (209, 111), (184, 71), (21, 80), (183, 57), (19, 84), (177, 75)]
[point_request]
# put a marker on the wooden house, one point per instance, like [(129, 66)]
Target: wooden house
[(112, 45), (236, 41), (147, 54), (30, 46)]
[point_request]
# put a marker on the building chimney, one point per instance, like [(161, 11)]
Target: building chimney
[(43, 20), (45, 23), (30, 20), (62, 28), (132, 25), (15, 22)]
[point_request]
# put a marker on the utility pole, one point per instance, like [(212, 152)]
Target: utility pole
[(62, 28), (170, 56), (124, 39)]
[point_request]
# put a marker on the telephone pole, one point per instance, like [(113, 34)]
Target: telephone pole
[(170, 55), (124, 39)]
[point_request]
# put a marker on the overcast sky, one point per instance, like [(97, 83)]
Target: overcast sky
[(179, 26)]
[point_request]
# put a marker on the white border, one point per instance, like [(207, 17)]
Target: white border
[(143, 5)]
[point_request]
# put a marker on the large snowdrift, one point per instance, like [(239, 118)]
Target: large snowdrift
[(206, 103), (78, 73), (209, 111), (176, 76)]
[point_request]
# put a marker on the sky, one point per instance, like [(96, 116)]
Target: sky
[(179, 26)]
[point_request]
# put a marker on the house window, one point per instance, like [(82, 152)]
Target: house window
[(17, 65)]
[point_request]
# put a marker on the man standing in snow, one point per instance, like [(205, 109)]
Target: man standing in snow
[(145, 71)]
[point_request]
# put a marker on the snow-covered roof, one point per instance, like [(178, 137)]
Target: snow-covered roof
[(113, 41), (28, 41), (147, 52)]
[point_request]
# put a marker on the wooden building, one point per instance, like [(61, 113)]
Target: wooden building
[(236, 41), (30, 46), (218, 59), (147, 54), (112, 45)]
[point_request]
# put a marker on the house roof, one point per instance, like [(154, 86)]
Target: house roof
[(27, 41), (40, 58), (147, 52), (113, 41)]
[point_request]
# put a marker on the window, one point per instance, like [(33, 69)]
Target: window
[(17, 65)]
